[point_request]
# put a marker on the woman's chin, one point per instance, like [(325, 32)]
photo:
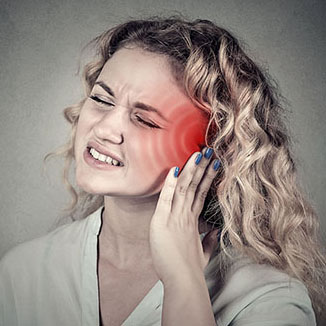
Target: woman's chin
[(135, 188), (98, 188), (90, 187)]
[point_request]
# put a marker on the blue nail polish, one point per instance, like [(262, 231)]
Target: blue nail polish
[(208, 152), (216, 165), (198, 158), (176, 172)]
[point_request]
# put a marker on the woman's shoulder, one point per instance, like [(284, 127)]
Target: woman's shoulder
[(259, 294), (59, 243)]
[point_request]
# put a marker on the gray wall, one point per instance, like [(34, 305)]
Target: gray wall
[(40, 45)]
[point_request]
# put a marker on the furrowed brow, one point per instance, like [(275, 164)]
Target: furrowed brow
[(149, 108), (105, 87), (139, 105)]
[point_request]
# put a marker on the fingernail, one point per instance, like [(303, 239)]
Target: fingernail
[(198, 158), (208, 152), (216, 165), (176, 171)]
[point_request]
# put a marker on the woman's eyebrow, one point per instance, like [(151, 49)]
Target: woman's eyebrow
[(105, 87), (138, 105), (146, 107)]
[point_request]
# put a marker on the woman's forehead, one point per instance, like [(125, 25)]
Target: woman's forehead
[(137, 75), (138, 69)]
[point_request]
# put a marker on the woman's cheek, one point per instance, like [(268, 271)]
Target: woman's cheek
[(143, 153), (159, 150), (176, 146)]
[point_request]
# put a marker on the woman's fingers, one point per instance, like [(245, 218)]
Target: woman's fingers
[(204, 186), (185, 195), (183, 183), (193, 182), (199, 175), (165, 200)]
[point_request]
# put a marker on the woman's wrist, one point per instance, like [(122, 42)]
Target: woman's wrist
[(186, 301), (183, 279)]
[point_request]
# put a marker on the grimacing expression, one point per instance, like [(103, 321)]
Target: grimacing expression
[(137, 115)]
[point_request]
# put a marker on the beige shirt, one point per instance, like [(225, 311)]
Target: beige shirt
[(52, 280)]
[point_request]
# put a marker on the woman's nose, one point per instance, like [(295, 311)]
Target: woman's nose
[(109, 127)]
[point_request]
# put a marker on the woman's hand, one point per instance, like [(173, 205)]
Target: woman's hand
[(174, 238)]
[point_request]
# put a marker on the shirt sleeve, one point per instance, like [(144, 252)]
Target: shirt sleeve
[(284, 305)]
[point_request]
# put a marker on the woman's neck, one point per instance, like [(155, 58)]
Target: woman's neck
[(124, 235)]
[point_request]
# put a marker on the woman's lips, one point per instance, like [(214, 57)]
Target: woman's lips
[(101, 149), (91, 161)]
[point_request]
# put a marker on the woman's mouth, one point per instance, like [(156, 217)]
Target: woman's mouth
[(103, 158)]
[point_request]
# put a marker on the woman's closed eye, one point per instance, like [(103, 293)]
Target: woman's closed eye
[(110, 104), (101, 101), (147, 123)]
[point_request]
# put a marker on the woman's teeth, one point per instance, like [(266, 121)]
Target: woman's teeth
[(104, 158)]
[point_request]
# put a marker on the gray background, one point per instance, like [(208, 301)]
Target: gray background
[(41, 42)]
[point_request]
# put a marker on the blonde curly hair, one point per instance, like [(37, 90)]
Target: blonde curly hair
[(256, 199)]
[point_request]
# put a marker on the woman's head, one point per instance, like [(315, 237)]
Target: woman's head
[(137, 114), (193, 56), (157, 69)]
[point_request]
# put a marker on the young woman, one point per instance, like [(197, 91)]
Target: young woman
[(193, 215)]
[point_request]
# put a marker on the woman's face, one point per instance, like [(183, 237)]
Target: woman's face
[(137, 115)]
